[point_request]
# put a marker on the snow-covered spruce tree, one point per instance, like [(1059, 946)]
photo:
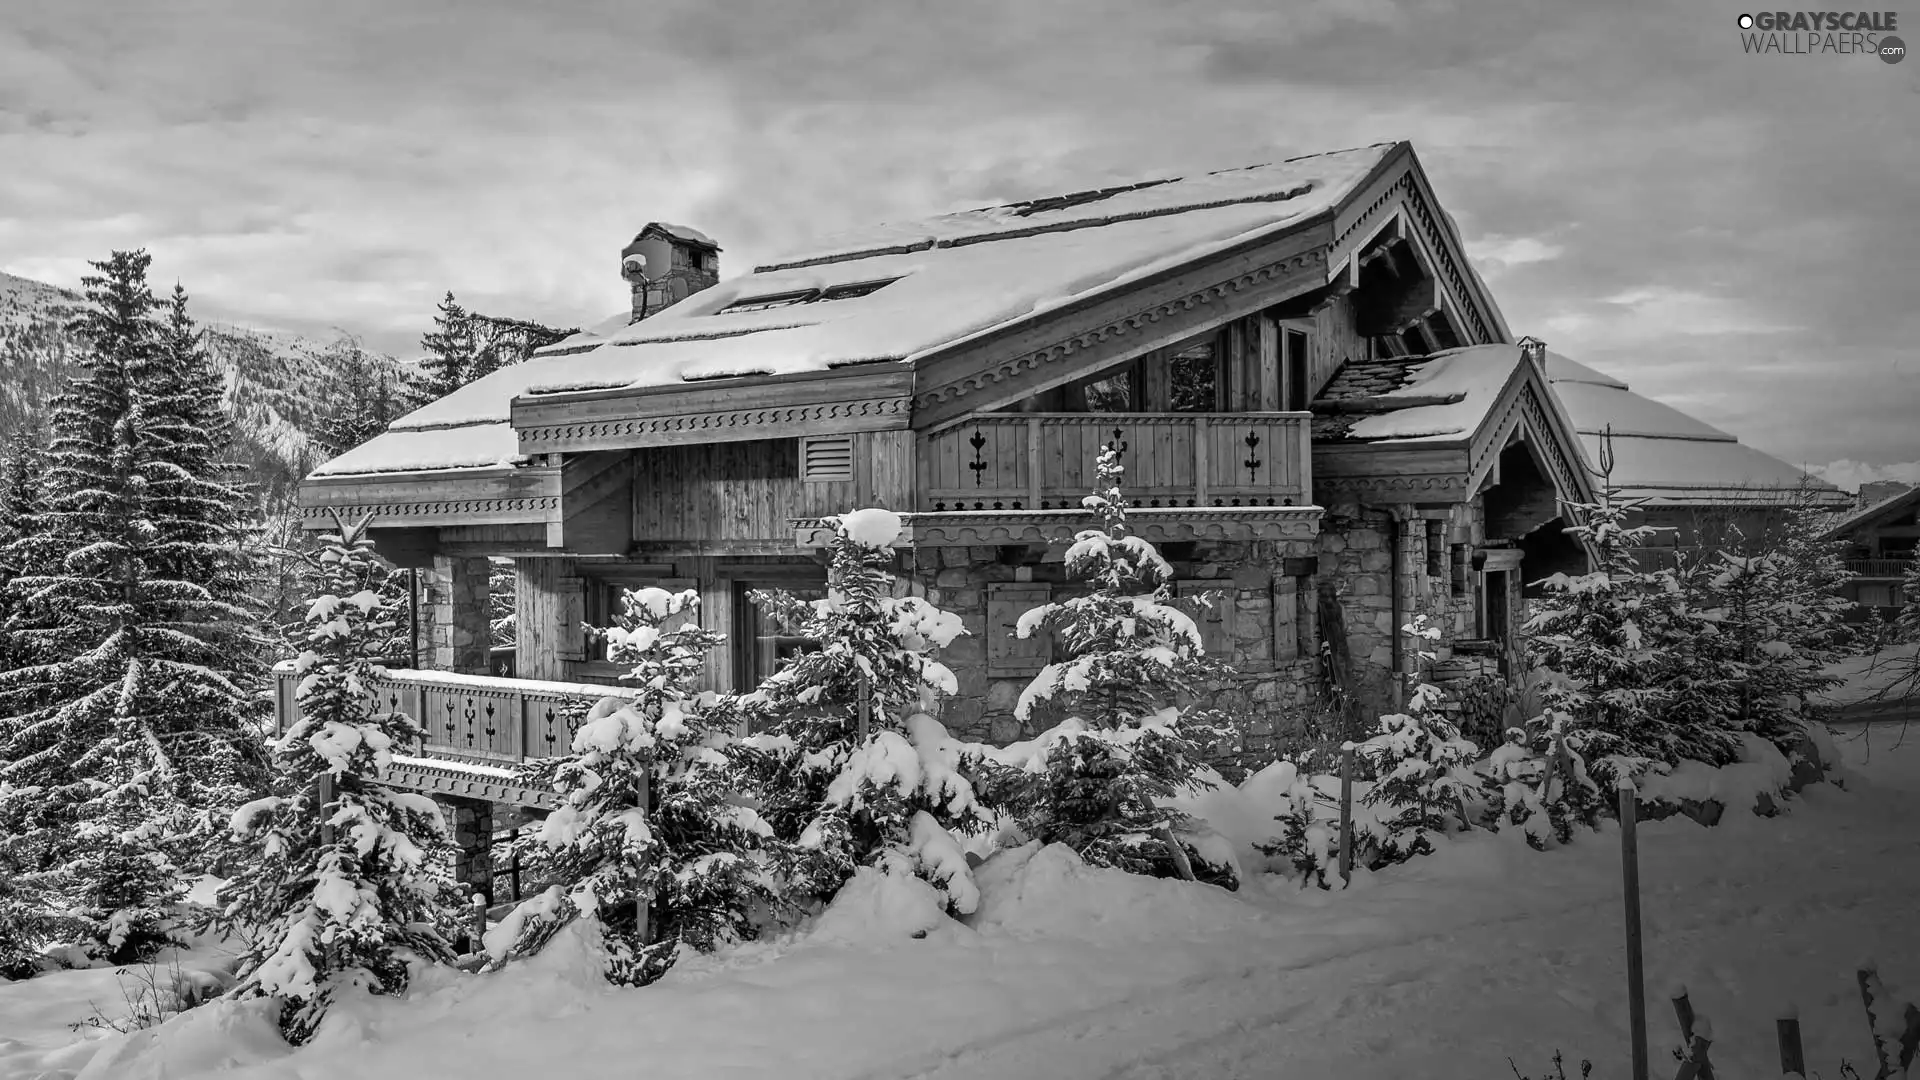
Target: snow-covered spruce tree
[(448, 363), (1623, 647), (366, 402), (894, 796), (1129, 740), (650, 837), (22, 545), (1424, 769), (126, 725), (342, 894)]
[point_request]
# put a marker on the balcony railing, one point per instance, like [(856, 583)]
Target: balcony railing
[(1880, 568), (1045, 461), (477, 718)]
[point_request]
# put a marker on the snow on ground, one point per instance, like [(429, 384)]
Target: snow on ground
[(1884, 677), (1439, 968)]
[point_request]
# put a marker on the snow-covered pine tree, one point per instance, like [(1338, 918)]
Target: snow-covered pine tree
[(342, 894), (126, 723), (650, 837), (893, 790), (22, 546), (1130, 739), (448, 363), (1623, 644), (1425, 771), (366, 403)]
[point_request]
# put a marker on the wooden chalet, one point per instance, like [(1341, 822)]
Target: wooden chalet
[(1325, 423), (1883, 539)]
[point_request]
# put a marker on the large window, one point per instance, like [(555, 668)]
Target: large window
[(1193, 379)]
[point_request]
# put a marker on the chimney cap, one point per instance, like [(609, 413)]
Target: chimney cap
[(684, 234), (1533, 349)]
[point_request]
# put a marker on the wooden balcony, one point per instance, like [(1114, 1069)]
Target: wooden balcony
[(478, 727), (1880, 568), (1045, 461)]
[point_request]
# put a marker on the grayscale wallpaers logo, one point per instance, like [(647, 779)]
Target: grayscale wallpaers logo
[(1809, 33)]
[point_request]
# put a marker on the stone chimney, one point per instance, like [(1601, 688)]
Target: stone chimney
[(1871, 494), (1535, 350), (665, 264)]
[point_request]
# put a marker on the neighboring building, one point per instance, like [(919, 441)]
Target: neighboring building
[(1325, 424), (1701, 485), (1882, 540)]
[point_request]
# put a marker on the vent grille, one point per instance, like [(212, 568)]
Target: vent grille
[(826, 457)]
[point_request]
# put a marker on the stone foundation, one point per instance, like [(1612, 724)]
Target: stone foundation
[(1260, 621)]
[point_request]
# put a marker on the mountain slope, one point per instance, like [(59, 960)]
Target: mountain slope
[(278, 384)]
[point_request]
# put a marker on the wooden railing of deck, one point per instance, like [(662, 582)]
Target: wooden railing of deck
[(472, 717), (1045, 461), (1880, 568)]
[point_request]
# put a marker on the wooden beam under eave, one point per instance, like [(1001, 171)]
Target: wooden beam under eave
[(407, 548), (1399, 308)]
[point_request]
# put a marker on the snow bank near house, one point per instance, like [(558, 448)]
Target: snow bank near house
[(1762, 771), (1033, 892), (880, 907)]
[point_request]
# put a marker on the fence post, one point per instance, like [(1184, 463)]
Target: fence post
[(1696, 1035), (1793, 1062), (1346, 813), (1630, 891)]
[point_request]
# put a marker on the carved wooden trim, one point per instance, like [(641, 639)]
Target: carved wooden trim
[(1185, 314), (1406, 191), (824, 418), (531, 510), (984, 528), (421, 775), (1435, 488)]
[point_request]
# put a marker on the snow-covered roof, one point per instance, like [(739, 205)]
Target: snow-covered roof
[(686, 233), (1872, 512), (1440, 397), (1664, 455), (970, 274)]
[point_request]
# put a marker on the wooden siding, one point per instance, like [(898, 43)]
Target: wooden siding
[(723, 495), (1047, 460), (1336, 340)]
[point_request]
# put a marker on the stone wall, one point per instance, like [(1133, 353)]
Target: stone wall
[(454, 615), (1260, 621), (1357, 558)]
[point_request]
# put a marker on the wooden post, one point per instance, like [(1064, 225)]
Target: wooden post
[(1630, 890), (1346, 814), (1036, 476), (1793, 1062), (643, 901), (1202, 434), (325, 795), (1694, 1064)]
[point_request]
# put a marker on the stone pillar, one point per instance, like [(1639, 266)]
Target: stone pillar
[(457, 597), (472, 822)]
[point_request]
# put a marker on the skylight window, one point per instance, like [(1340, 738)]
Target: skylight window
[(805, 296)]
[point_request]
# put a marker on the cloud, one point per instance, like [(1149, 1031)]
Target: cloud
[(1849, 475), (1720, 230)]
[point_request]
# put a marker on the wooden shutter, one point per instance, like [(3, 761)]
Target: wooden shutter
[(826, 458), (1008, 655), (1214, 613), (570, 608)]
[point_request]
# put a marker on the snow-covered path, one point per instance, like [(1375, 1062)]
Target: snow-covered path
[(1440, 968)]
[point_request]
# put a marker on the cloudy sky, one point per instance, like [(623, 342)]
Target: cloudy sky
[(1737, 235)]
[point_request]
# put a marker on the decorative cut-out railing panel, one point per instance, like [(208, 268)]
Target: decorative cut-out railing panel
[(472, 717), (1046, 461)]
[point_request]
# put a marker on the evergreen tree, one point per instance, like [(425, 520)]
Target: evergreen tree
[(124, 728), (1425, 772), (366, 403), (650, 838), (448, 364), (1625, 645), (840, 791), (338, 891), (1130, 741), (22, 547)]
